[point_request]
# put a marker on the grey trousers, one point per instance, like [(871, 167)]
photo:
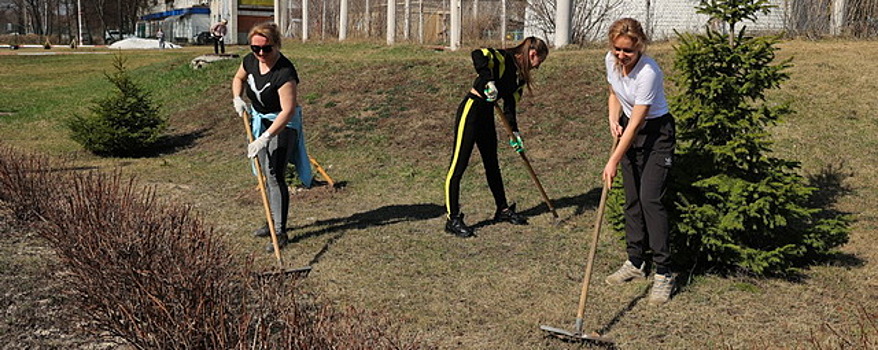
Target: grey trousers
[(645, 170), (274, 159)]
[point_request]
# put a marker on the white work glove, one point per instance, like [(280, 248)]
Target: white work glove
[(491, 92), (240, 105), (254, 147)]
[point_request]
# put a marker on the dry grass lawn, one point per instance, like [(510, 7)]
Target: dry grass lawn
[(380, 120)]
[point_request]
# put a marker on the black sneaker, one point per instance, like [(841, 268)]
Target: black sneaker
[(262, 232), (456, 227), (509, 215), (282, 241)]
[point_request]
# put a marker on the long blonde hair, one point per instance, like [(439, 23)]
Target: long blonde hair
[(631, 28), (522, 61)]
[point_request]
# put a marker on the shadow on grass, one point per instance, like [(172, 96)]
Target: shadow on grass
[(70, 169), (830, 186), (171, 144), (581, 203), (382, 216), (619, 315)]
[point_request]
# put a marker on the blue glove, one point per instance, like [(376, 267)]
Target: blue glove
[(516, 142)]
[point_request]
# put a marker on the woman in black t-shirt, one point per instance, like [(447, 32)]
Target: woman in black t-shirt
[(271, 82)]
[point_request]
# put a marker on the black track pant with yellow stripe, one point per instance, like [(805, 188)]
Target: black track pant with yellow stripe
[(474, 126)]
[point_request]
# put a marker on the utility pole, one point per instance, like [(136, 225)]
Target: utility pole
[(837, 19), (343, 21), (407, 19), (280, 17), (454, 43), (304, 20), (79, 18), (563, 17), (475, 10), (421, 21), (503, 23), (391, 22)]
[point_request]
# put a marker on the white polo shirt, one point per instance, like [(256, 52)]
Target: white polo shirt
[(642, 86)]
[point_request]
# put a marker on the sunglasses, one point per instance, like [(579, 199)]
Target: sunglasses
[(265, 48), (625, 50)]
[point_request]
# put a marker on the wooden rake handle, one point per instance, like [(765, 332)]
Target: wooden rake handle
[(264, 192), (583, 296), (322, 172), (530, 169)]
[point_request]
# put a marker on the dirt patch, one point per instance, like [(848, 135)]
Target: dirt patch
[(33, 299)]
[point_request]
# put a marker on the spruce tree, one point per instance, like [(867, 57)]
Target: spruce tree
[(125, 123), (732, 205)]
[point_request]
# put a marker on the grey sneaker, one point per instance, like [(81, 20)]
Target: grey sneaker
[(625, 273), (262, 232), (662, 288), (282, 240)]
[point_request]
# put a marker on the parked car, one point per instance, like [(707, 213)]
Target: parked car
[(114, 35), (203, 38)]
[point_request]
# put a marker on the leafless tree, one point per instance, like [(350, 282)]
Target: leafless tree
[(588, 17)]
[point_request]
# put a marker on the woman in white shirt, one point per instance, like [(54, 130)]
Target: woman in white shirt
[(639, 118)]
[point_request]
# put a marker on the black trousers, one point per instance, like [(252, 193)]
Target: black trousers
[(645, 170), (474, 126), (219, 46)]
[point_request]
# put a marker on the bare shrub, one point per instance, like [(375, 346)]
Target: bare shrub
[(22, 39), (155, 275), (24, 180)]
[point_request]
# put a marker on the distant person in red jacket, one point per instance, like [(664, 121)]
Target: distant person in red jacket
[(218, 32)]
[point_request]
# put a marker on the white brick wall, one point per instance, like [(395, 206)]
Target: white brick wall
[(665, 16), (669, 15)]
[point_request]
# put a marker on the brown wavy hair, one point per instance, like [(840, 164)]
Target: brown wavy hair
[(521, 54)]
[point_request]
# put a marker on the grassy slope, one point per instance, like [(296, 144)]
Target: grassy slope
[(380, 119)]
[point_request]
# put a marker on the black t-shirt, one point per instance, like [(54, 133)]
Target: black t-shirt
[(262, 89)]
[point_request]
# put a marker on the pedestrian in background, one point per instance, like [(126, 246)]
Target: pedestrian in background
[(502, 74), (161, 36), (639, 117), (271, 83), (218, 32)]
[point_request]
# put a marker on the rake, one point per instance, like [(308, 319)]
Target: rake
[(280, 263), (577, 334), (530, 169)]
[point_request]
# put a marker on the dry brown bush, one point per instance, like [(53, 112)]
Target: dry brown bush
[(155, 275)]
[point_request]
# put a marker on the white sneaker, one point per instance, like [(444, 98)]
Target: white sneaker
[(662, 288), (626, 273)]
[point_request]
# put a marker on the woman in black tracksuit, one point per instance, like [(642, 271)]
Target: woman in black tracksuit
[(502, 74)]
